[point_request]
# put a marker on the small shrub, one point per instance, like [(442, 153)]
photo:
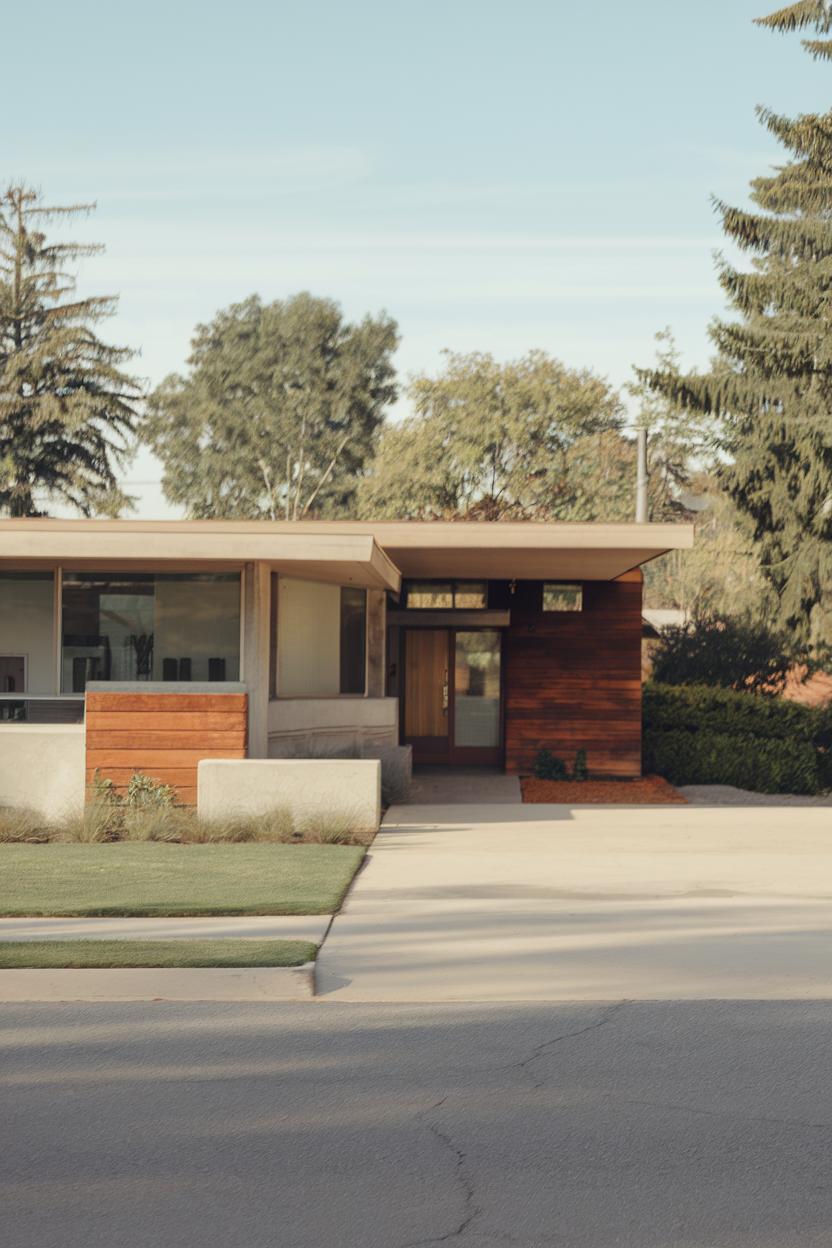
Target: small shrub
[(548, 767), (580, 770), (146, 793)]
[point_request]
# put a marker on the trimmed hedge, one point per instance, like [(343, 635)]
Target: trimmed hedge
[(695, 734)]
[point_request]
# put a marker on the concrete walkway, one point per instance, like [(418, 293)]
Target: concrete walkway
[(556, 903), (444, 786), (279, 927)]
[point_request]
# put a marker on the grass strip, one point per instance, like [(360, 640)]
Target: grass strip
[(65, 954), (153, 879)]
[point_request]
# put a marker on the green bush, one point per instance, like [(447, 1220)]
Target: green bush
[(548, 767), (700, 735)]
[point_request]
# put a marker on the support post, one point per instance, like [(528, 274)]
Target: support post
[(257, 655), (641, 477)]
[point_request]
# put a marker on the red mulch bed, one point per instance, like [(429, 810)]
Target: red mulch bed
[(649, 790)]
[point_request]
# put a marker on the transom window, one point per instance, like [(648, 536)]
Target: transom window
[(446, 595), (559, 597)]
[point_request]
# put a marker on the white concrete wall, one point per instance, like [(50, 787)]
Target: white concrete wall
[(315, 727), (342, 790), (42, 767)]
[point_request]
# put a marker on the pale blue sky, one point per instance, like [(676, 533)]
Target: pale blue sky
[(497, 174)]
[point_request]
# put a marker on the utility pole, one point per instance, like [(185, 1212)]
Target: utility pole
[(641, 476)]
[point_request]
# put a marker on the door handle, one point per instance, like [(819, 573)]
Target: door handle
[(445, 695)]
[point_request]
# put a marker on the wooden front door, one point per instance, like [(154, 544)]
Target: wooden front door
[(452, 710), (427, 693)]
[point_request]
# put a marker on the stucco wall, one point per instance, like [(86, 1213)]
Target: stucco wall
[(42, 767), (317, 727), (343, 790)]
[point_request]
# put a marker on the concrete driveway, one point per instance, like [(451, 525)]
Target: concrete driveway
[(558, 903)]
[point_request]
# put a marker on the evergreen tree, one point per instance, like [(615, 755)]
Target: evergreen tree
[(67, 411), (679, 444), (279, 413), (771, 381)]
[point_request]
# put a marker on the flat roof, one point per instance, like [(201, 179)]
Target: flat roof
[(372, 553)]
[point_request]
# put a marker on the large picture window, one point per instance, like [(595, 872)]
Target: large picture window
[(138, 626), (27, 632), (321, 639)]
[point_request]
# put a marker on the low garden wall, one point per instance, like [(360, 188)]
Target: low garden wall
[(42, 768), (343, 791)]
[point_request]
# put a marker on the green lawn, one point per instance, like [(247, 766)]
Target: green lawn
[(42, 954), (159, 879)]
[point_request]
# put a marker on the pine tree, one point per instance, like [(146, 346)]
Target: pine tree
[(67, 411), (770, 384)]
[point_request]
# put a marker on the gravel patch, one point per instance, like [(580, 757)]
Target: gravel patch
[(728, 795)]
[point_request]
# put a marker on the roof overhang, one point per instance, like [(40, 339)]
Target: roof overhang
[(369, 553), (342, 557), (528, 550)]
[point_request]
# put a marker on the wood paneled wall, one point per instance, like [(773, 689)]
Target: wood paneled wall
[(163, 735), (573, 679)]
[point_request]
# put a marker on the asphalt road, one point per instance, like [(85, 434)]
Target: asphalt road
[(696, 1124)]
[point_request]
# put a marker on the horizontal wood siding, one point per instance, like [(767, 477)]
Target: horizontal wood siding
[(573, 679), (163, 735)]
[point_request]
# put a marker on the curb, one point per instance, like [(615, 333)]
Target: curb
[(270, 983)]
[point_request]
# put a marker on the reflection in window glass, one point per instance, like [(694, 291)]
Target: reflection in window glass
[(563, 597), (477, 689), (430, 595), (447, 595), (353, 640), (470, 595), (149, 627), (27, 630)]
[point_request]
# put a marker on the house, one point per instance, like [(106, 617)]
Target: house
[(148, 645)]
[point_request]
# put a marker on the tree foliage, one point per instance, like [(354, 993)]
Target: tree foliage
[(680, 440), (721, 576), (279, 412), (771, 382), (731, 652), (67, 411), (529, 439)]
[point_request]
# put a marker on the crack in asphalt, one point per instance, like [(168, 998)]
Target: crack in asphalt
[(462, 1178), (540, 1050), (462, 1175)]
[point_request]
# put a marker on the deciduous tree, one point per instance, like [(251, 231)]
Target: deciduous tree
[(279, 412), (529, 439)]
